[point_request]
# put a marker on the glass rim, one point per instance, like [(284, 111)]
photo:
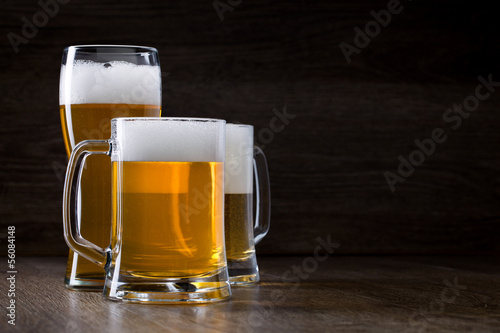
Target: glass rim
[(138, 49), (238, 125), (193, 119)]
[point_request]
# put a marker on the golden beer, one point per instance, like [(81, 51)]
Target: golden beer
[(239, 226), (167, 217), (241, 229), (85, 122)]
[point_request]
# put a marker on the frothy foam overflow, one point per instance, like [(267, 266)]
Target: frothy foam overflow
[(114, 82)]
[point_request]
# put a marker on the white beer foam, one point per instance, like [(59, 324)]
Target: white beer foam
[(169, 140), (238, 168), (115, 82)]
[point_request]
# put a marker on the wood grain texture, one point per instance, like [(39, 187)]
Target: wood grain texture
[(345, 294), (327, 166)]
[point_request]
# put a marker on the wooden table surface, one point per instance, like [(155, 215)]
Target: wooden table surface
[(343, 293)]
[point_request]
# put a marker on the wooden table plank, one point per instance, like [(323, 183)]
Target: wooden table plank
[(327, 165), (350, 294)]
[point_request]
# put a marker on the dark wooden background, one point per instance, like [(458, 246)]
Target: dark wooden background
[(327, 166)]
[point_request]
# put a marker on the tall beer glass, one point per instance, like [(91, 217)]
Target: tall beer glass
[(98, 83), (242, 161), (167, 241)]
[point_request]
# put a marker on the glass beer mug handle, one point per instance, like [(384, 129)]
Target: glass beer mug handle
[(263, 195), (72, 233)]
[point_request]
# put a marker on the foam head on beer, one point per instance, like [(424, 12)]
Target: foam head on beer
[(117, 82), (169, 140), (238, 169)]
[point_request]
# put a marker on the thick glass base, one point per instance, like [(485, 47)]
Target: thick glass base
[(242, 280), (84, 284), (243, 272), (83, 275), (205, 289)]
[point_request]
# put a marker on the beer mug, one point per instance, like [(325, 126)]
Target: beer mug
[(241, 233), (99, 83), (167, 239)]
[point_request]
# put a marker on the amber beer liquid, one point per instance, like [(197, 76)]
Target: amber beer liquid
[(91, 94), (239, 225), (179, 202), (89, 122)]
